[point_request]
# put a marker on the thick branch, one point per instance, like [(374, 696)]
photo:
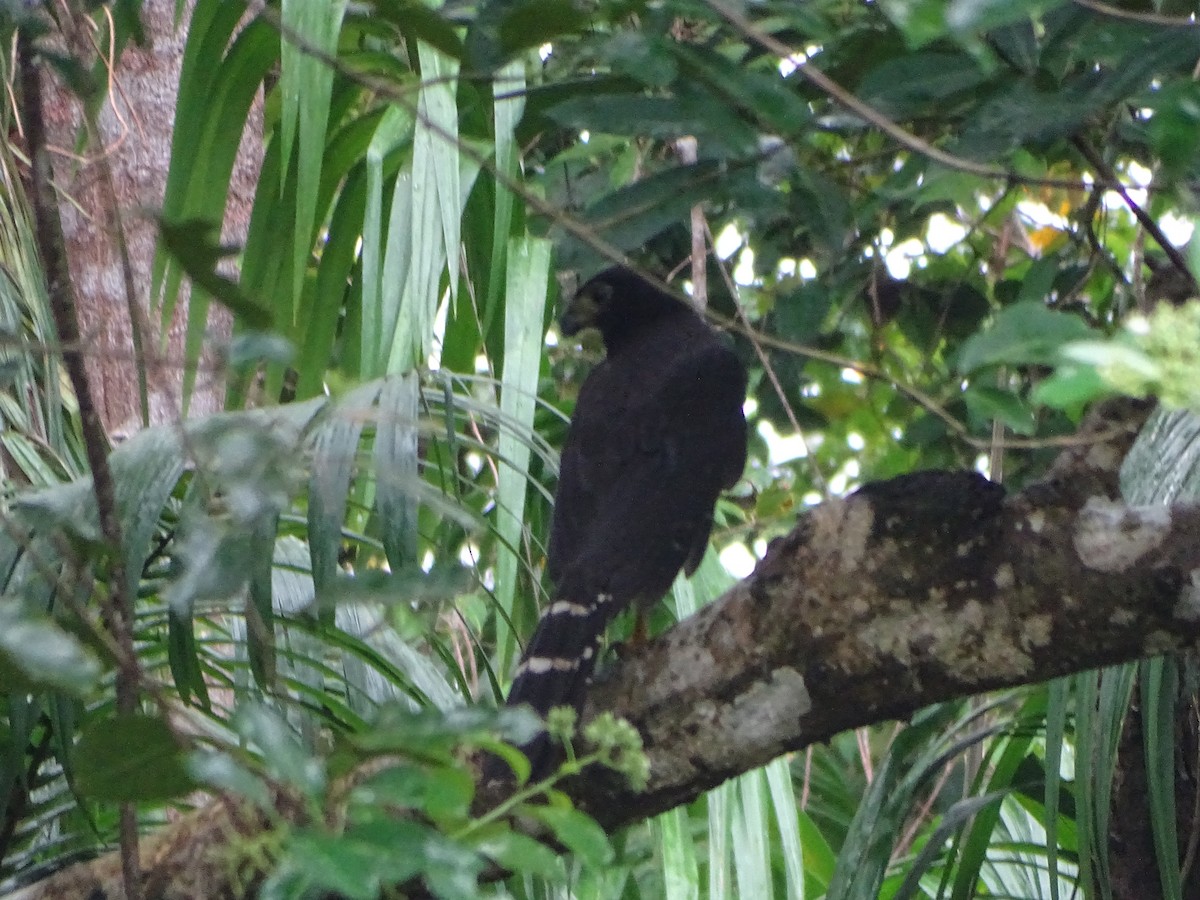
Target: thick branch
[(922, 589), (926, 588)]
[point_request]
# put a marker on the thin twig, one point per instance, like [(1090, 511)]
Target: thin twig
[(117, 606), (810, 459), (1144, 219), (1145, 18)]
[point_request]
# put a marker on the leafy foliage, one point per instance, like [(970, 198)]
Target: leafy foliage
[(931, 221)]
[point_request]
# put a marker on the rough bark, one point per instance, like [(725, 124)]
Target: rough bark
[(107, 193), (925, 588)]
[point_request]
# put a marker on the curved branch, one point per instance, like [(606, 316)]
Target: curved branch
[(925, 588)]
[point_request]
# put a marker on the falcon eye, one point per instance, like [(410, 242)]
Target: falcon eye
[(601, 293)]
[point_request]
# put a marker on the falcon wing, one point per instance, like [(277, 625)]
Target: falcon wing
[(691, 444), (594, 459)]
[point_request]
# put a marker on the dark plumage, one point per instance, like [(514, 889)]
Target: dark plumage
[(658, 432)]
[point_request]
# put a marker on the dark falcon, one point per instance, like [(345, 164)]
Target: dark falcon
[(658, 432)]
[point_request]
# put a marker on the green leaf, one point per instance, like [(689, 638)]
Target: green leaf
[(417, 19), (386, 244), (1004, 406), (1071, 388), (335, 444), (762, 95), (630, 216), (681, 871), (283, 755), (665, 118), (1176, 121), (525, 311), (426, 732), (502, 28), (975, 16), (577, 832), (451, 870), (130, 758), (221, 772), (442, 794), (522, 855), (42, 654), (1113, 355), (1022, 334), (916, 83), (360, 862), (1025, 112), (395, 462), (193, 245), (434, 203), (1159, 692), (920, 21), (306, 83), (532, 23)]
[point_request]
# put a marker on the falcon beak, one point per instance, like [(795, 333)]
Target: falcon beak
[(580, 313)]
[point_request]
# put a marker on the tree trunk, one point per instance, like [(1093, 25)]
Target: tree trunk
[(110, 193)]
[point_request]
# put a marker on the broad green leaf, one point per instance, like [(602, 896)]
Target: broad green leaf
[(975, 16), (522, 855), (500, 30), (631, 216), (920, 21), (417, 19), (442, 794), (1174, 125), (37, 653), (914, 84), (146, 470), (451, 869), (1023, 334), (665, 118), (1114, 357), (130, 758), (221, 772), (361, 861), (990, 403), (761, 95), (576, 831), (1071, 388), (284, 756)]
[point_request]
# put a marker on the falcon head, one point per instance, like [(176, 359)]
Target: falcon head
[(617, 302)]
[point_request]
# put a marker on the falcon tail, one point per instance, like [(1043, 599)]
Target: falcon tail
[(557, 666)]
